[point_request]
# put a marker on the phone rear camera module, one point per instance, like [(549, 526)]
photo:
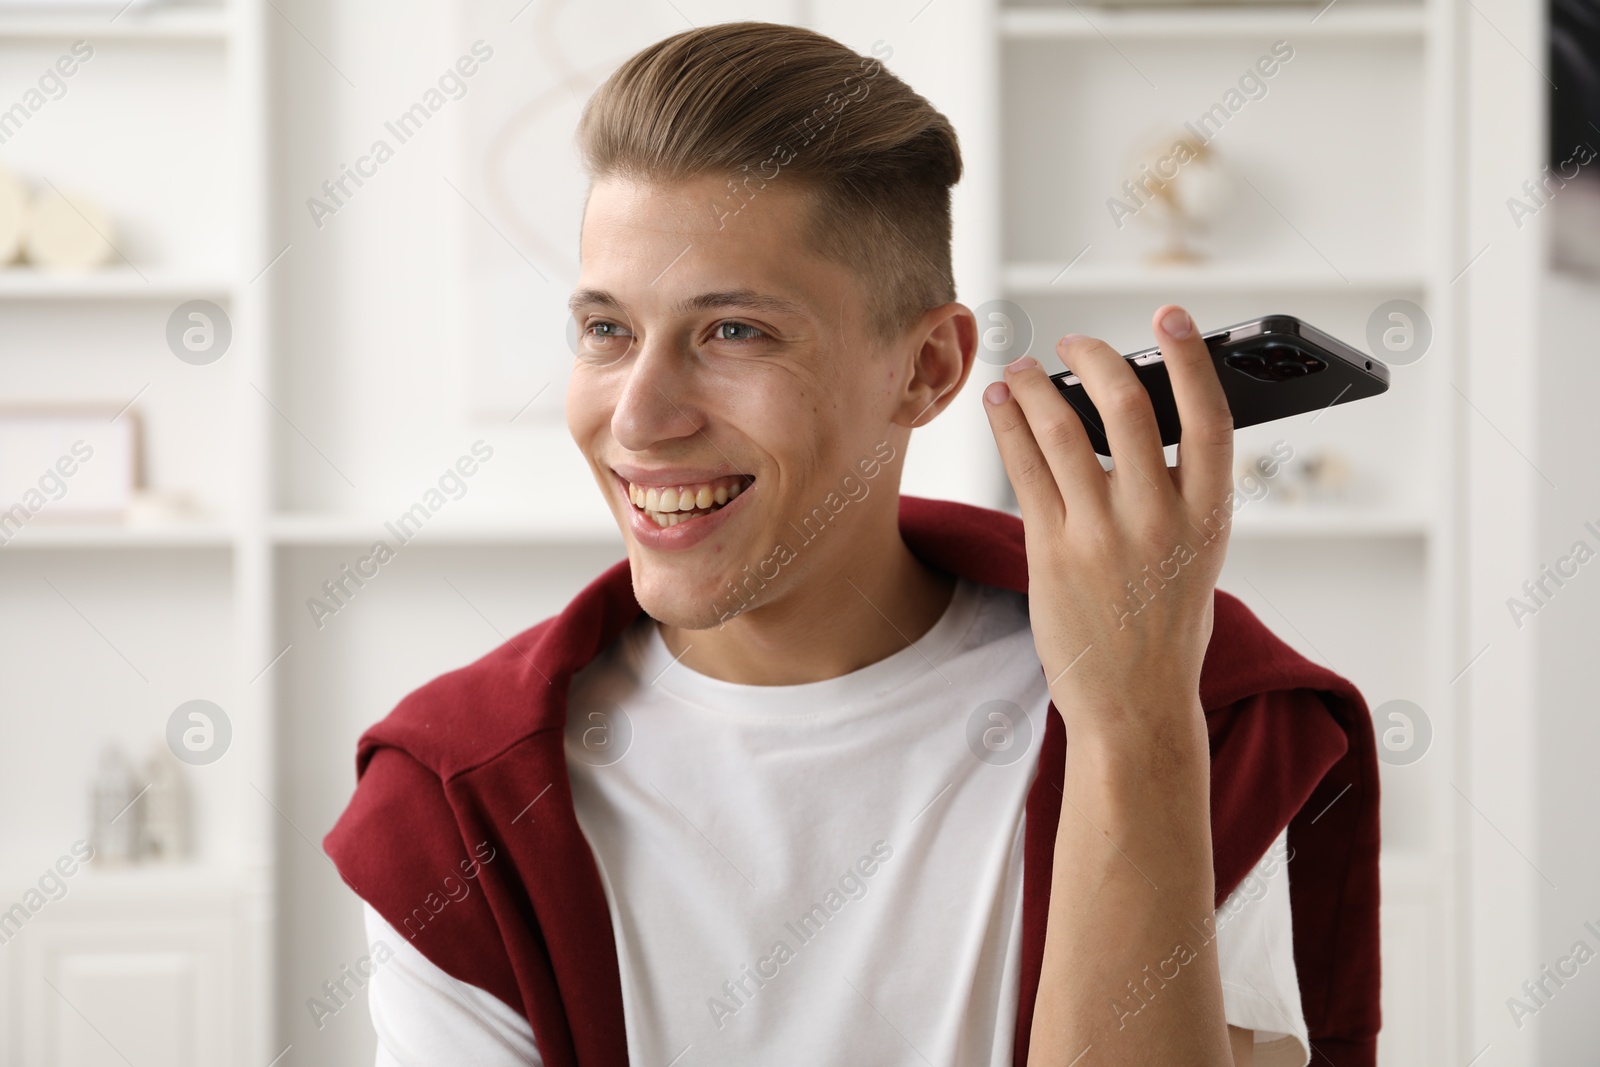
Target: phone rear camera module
[(1274, 362), (1247, 361)]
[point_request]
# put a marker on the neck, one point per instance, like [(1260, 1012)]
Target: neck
[(868, 600)]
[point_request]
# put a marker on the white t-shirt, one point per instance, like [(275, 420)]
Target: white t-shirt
[(831, 869)]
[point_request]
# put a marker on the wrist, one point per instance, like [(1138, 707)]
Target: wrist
[(1142, 766), (1141, 792), (1168, 722)]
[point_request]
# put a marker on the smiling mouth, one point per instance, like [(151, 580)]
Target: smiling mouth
[(671, 505)]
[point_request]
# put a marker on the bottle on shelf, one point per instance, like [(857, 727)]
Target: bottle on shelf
[(115, 830), (164, 825)]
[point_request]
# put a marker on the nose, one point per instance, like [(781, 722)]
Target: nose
[(658, 401)]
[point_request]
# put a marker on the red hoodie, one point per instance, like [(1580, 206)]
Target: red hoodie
[(462, 833)]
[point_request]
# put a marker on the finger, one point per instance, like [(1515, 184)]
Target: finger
[(1204, 474), (1126, 414), (1038, 495), (1061, 438)]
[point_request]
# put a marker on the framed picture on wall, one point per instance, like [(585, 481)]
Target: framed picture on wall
[(518, 195), (66, 464)]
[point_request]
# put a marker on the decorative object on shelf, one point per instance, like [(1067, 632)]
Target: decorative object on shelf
[(139, 815), (13, 214), (1319, 477), (161, 507), (164, 810), (67, 234), (114, 832), (1178, 184), (1323, 476), (66, 463)]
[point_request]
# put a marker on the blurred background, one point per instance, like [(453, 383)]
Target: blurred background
[(272, 267)]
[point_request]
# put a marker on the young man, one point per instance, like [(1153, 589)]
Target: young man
[(793, 783)]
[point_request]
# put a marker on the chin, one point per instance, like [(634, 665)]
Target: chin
[(697, 588), (684, 609)]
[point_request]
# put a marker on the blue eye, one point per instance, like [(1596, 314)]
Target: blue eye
[(602, 341), (739, 326)]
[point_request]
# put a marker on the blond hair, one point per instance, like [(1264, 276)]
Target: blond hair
[(768, 103)]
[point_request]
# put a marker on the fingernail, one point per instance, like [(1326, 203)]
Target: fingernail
[(1022, 363), (1071, 338), (997, 393), (1177, 323)]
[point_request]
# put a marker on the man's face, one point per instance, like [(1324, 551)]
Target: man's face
[(725, 358)]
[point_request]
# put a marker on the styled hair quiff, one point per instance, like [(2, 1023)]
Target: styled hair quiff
[(763, 102)]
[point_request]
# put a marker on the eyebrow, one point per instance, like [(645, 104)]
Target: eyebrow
[(729, 298)]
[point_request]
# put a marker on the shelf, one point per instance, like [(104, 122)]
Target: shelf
[(187, 878), (156, 24), (111, 283), (1047, 278), (307, 529), (45, 535), (1084, 22), (1274, 521)]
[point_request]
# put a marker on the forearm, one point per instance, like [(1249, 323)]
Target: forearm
[(1130, 965)]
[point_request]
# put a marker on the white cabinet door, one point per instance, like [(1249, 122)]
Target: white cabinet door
[(118, 981)]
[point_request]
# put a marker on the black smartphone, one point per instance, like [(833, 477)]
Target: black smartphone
[(1271, 368)]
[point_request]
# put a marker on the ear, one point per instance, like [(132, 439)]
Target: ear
[(945, 344)]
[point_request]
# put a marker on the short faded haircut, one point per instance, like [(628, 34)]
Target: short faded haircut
[(765, 103)]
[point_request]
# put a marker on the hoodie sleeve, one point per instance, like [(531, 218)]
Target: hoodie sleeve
[(400, 847), (1306, 758)]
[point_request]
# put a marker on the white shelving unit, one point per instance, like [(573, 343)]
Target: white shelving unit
[(528, 531), (1050, 279), (201, 22), (1366, 588), (165, 125), (184, 535), (1365, 114), (111, 283)]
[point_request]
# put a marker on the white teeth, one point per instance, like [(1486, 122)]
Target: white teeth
[(670, 505)]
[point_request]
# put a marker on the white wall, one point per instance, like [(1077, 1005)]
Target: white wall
[(1569, 673)]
